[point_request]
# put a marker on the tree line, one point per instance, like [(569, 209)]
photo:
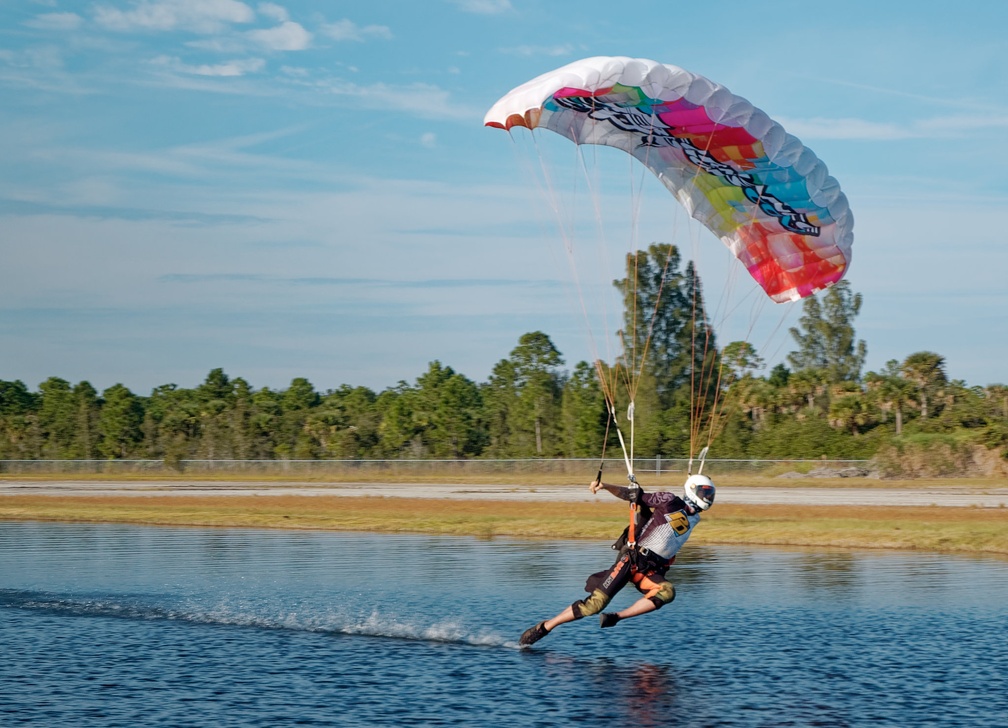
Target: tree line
[(819, 404)]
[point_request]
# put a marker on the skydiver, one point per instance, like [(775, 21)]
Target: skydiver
[(667, 521)]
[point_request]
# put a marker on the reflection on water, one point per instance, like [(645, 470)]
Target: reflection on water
[(118, 625)]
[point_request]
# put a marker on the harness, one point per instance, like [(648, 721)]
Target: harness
[(641, 557)]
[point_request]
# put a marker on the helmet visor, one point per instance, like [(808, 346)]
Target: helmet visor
[(705, 493)]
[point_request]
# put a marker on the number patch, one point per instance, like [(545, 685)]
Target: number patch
[(678, 521)]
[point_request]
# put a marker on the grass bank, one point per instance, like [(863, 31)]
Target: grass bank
[(670, 480), (951, 530)]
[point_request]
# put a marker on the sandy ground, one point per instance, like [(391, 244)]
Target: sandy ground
[(956, 496)]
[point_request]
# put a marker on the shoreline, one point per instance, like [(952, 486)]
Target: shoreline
[(949, 519)]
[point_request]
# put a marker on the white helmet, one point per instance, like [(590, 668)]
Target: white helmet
[(699, 491)]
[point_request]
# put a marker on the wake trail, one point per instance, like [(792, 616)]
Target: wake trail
[(243, 615)]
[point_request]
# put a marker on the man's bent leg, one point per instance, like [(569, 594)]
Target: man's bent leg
[(595, 603), (656, 595)]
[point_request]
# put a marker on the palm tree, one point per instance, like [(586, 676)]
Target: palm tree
[(891, 391), (997, 395), (927, 370), (847, 407), (808, 384)]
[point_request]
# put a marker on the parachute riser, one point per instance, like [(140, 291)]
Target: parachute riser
[(702, 457)]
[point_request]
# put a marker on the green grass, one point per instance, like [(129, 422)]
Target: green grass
[(950, 530)]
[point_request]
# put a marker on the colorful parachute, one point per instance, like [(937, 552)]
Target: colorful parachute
[(767, 196)]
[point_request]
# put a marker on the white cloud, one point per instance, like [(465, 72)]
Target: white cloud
[(348, 30), (199, 16), (533, 51), (238, 67), (420, 99), (288, 36), (56, 21), (428, 140), (274, 11), (483, 7), (844, 129), (944, 125), (46, 57), (947, 126)]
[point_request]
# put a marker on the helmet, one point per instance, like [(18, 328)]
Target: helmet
[(699, 491)]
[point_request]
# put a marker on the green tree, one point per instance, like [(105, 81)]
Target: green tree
[(996, 396), (848, 410), (927, 371), (15, 398), (779, 376), (400, 436), (669, 351), (56, 418), (265, 429), (346, 423), (86, 431), (740, 359), (297, 403), (825, 335), (891, 392), (664, 321), (500, 401), (805, 389), (18, 419), (754, 397), (539, 385), (449, 406), (584, 413), (239, 420), (120, 422), (216, 400)]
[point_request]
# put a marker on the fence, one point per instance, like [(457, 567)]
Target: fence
[(343, 469)]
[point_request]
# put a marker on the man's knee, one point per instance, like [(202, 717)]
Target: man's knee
[(592, 605), (665, 594)]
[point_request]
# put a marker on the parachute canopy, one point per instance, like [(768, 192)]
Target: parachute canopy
[(733, 168)]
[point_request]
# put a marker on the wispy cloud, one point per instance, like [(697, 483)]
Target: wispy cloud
[(56, 21), (236, 67), (939, 126), (274, 11), (844, 129), (420, 99), (483, 7), (288, 36), (344, 30), (425, 283), (535, 51), (198, 16)]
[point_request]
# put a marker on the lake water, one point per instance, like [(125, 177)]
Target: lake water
[(124, 626)]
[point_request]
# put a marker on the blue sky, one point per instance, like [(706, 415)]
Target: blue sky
[(306, 188)]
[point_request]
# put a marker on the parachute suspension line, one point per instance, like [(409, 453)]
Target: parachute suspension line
[(605, 443), (698, 382), (567, 235), (608, 383), (708, 384), (565, 228)]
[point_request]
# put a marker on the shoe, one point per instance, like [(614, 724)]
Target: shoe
[(608, 620), (533, 634)]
